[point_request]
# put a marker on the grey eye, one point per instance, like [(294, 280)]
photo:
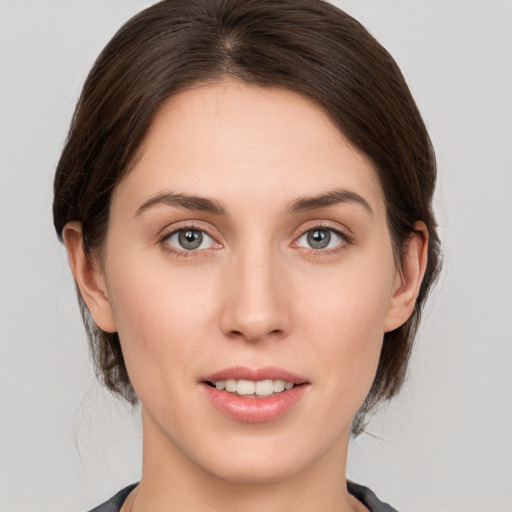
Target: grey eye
[(320, 238), (190, 239)]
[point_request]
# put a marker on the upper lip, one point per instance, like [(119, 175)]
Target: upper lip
[(255, 374)]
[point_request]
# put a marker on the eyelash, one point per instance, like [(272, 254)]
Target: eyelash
[(345, 240), (162, 241)]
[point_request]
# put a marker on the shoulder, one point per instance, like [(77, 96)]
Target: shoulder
[(368, 498), (115, 503)]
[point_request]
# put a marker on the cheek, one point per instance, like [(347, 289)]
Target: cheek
[(352, 301), (161, 317), (347, 322)]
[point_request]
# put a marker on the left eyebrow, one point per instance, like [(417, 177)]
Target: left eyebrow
[(328, 199)]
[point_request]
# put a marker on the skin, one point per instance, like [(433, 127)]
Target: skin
[(255, 294)]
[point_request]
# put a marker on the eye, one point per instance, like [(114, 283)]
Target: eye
[(321, 238), (189, 239)]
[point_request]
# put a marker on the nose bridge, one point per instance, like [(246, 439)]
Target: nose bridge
[(255, 305)]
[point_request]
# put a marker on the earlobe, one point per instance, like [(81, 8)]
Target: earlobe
[(89, 278), (408, 279)]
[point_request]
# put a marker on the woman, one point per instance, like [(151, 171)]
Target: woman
[(245, 197)]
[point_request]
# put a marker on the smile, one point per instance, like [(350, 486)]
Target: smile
[(254, 395), (254, 389)]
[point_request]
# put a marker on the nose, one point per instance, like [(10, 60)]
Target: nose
[(255, 297)]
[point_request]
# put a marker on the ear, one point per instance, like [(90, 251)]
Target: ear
[(408, 278), (89, 277)]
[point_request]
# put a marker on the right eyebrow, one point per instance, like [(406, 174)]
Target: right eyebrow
[(186, 201)]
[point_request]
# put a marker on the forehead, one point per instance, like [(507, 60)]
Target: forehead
[(232, 140)]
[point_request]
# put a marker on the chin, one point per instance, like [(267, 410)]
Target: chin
[(260, 460), (255, 472)]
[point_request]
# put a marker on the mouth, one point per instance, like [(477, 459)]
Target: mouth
[(254, 395), (252, 389)]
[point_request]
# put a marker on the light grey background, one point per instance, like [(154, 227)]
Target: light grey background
[(444, 445)]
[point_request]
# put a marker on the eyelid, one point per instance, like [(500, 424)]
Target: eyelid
[(186, 224), (168, 231), (343, 232)]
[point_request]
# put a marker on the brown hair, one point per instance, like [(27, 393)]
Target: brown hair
[(307, 46)]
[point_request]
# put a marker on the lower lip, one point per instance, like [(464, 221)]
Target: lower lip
[(254, 410)]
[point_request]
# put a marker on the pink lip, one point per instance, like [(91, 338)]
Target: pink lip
[(250, 409)]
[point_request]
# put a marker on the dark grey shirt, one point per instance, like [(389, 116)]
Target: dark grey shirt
[(363, 494)]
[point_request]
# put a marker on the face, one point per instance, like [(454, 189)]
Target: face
[(247, 252)]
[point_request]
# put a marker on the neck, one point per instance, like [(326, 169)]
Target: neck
[(171, 481)]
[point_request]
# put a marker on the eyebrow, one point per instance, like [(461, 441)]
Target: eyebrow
[(186, 201), (328, 199), (215, 207)]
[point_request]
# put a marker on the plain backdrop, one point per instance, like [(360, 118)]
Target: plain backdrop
[(444, 445)]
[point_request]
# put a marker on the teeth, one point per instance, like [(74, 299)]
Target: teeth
[(245, 387), (230, 385), (249, 387), (264, 387), (279, 386)]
